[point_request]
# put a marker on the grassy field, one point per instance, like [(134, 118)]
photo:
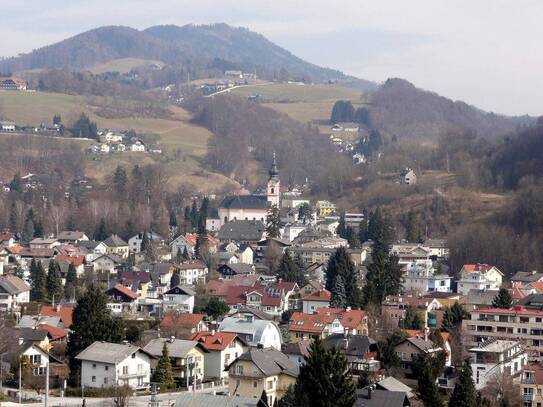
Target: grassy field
[(122, 65), (301, 93), (184, 144)]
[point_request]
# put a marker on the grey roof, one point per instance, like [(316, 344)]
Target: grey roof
[(115, 241), (271, 362), (259, 314), (436, 242), (381, 398), (206, 400), (357, 345), (245, 202), (239, 268), (392, 384), (423, 345), (178, 348), (30, 321), (481, 297), (527, 276), (31, 334), (107, 352), (242, 326), (531, 301), (300, 348), (88, 244), (242, 230), (181, 289), (70, 235), (13, 285)]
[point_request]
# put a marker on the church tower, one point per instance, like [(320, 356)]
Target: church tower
[(273, 184)]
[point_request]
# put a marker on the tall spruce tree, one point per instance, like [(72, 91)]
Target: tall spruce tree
[(288, 270), (453, 316), (38, 291), (101, 233), (163, 373), (339, 297), (120, 180), (176, 279), (54, 282), (384, 277), (427, 388), (464, 394), (13, 218), (503, 299), (324, 379), (412, 232), (341, 229), (91, 321), (340, 263), (273, 223), (381, 233)]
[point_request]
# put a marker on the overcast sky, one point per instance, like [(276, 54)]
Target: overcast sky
[(485, 52)]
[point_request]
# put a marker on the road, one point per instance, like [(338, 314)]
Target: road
[(238, 86)]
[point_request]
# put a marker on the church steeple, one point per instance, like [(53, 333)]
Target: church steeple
[(274, 173), (273, 184)]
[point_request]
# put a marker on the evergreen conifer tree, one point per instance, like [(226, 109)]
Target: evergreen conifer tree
[(216, 308), (120, 180), (38, 291), (412, 232), (186, 255), (464, 394), (100, 234), (341, 229), (91, 321), (288, 270), (54, 281), (179, 256), (427, 388), (340, 263), (13, 218), (324, 379), (339, 298), (503, 299), (175, 280), (273, 223), (163, 373)]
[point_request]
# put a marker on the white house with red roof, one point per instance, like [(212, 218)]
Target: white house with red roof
[(354, 321), (310, 326), (223, 348), (121, 299), (271, 298), (479, 277), (316, 300)]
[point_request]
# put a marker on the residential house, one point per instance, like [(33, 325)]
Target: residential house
[(421, 278), (187, 358), (107, 263), (262, 369), (359, 350), (411, 348), (105, 364), (116, 245), (13, 292), (7, 126), (479, 276), (179, 298), (311, 287), (297, 352), (183, 325), (394, 308), (192, 272), (134, 243), (7, 239), (526, 277), (121, 299), (64, 313), (354, 321), (411, 253), (68, 236), (228, 271), (43, 243), (93, 249), (408, 177), (270, 298), (223, 348), (255, 332), (310, 326), (370, 397), (36, 356), (188, 242), (318, 253), (292, 230), (138, 146), (315, 300), (493, 358), (325, 208), (438, 248)]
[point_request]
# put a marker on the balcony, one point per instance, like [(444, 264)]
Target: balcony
[(528, 397), (132, 375)]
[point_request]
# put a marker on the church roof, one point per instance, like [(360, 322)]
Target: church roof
[(245, 202)]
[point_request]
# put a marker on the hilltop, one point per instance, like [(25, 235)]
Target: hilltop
[(196, 47)]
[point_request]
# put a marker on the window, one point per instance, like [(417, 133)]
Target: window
[(239, 369), (93, 379), (269, 385), (35, 359), (125, 369), (255, 384), (106, 368), (105, 380)]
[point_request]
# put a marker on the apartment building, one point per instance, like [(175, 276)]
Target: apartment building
[(517, 323), (531, 384)]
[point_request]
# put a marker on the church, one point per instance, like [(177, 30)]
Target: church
[(252, 207)]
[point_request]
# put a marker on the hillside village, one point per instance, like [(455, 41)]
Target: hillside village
[(238, 303)]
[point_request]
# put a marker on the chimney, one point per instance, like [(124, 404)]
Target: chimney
[(21, 341), (212, 332), (172, 339), (426, 333), (249, 318)]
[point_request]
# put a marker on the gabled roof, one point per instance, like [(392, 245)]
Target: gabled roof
[(481, 268), (106, 352), (115, 241), (312, 323), (75, 259), (31, 334), (177, 348), (322, 295), (53, 331), (237, 268), (270, 362), (189, 265), (70, 235), (13, 285), (123, 290), (64, 312), (300, 348), (527, 276), (245, 202), (242, 230), (181, 290), (179, 320), (352, 345), (421, 344), (135, 276), (350, 319), (238, 295), (391, 384), (217, 341)]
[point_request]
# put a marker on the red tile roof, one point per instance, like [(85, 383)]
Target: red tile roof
[(55, 332), (349, 319), (65, 313), (537, 285), (321, 295), (472, 268), (191, 238), (179, 320), (312, 323), (238, 295), (126, 291), (515, 310), (414, 333), (218, 341), (6, 236), (195, 264), (75, 259)]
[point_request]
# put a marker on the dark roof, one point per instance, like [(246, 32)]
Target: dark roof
[(527, 276), (532, 301), (242, 230), (236, 268), (300, 348), (31, 334), (256, 312), (13, 285), (245, 202), (271, 362), (357, 345), (381, 398), (115, 241), (88, 244)]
